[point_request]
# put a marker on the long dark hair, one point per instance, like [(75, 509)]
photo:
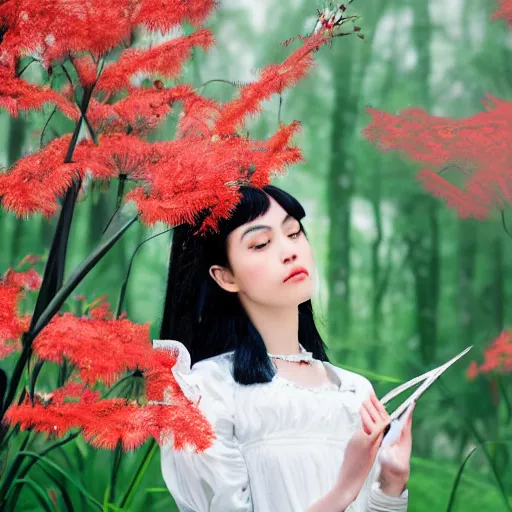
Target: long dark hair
[(209, 320)]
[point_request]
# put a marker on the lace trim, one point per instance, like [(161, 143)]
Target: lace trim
[(316, 389)]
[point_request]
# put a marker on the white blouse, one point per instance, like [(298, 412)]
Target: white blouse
[(279, 445)]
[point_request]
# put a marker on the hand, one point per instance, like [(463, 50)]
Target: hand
[(395, 459), (363, 446)]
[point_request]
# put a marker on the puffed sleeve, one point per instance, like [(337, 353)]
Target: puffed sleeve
[(371, 497), (215, 480)]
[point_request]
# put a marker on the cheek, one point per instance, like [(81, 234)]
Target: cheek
[(254, 272), (306, 251)]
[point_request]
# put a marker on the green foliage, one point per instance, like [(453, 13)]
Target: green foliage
[(469, 54)]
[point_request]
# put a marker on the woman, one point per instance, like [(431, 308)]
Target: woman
[(293, 432)]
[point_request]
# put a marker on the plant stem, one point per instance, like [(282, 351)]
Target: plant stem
[(18, 370), (144, 463), (26, 469), (16, 463), (115, 468)]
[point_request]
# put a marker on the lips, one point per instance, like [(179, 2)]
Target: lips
[(295, 272)]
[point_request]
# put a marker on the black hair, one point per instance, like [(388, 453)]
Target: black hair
[(209, 320)]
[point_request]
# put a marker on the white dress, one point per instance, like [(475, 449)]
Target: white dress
[(279, 445)]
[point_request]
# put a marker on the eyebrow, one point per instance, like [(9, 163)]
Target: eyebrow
[(261, 226)]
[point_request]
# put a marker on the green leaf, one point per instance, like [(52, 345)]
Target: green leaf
[(373, 375), (76, 277), (55, 264), (429, 490), (122, 293), (144, 464), (38, 491), (455, 487), (65, 474)]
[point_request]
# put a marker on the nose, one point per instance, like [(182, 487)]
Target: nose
[(290, 258), (288, 252)]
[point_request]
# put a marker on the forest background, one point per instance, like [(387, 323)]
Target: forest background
[(405, 282)]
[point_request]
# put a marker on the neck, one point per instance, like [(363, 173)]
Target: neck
[(279, 327)]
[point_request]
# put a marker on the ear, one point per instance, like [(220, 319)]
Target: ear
[(224, 278)]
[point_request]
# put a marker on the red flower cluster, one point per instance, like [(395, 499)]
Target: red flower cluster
[(479, 146), (102, 348), (105, 422), (504, 11), (164, 60), (497, 358), (52, 29), (13, 286), (200, 170)]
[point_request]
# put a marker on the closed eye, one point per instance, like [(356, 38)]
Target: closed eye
[(261, 246)]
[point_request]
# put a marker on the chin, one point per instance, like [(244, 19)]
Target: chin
[(300, 298)]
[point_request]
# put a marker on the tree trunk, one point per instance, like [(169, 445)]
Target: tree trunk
[(467, 245), (380, 274), (339, 195), (348, 78), (426, 251)]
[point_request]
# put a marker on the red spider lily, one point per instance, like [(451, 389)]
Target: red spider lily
[(12, 324), (199, 114), (86, 70), (144, 109), (105, 423), (118, 154), (472, 371), (17, 94), (273, 79), (177, 183), (180, 183), (35, 181), (166, 14), (139, 113), (478, 145), (504, 11), (50, 29), (497, 357), (164, 60), (183, 183), (101, 349)]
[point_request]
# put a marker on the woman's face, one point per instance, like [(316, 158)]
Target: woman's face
[(263, 254)]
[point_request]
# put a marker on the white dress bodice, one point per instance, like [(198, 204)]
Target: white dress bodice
[(279, 445)]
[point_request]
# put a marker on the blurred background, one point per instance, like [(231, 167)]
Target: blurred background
[(405, 284)]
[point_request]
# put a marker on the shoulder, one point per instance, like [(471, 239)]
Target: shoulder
[(352, 380), (216, 365), (215, 372), (210, 376), (216, 386)]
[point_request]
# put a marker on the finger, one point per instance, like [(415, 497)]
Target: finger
[(404, 427), (375, 402), (406, 437), (372, 411), (368, 424), (380, 407), (407, 420)]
